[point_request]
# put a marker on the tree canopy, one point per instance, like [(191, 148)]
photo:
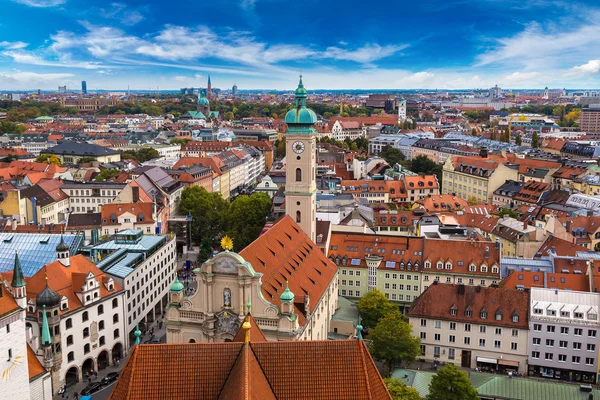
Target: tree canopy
[(392, 341), (535, 140), (373, 306), (243, 219), (142, 155), (400, 391), (48, 159), (450, 383), (106, 174), (392, 155)]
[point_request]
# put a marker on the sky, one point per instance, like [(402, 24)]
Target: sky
[(266, 44)]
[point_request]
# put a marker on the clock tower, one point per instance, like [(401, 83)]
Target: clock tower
[(301, 164)]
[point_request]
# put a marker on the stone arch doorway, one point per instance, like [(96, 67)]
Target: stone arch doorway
[(192, 341), (72, 376), (117, 351), (103, 360), (87, 366)]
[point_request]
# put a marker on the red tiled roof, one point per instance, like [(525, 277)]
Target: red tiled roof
[(568, 172), (531, 279), (421, 182), (137, 209), (268, 370), (560, 246), (285, 253), (463, 252), (443, 202), (532, 191), (34, 366), (8, 305), (475, 298)]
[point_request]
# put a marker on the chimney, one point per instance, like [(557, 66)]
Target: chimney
[(13, 224), (568, 227), (590, 213), (524, 225), (135, 194), (461, 289)]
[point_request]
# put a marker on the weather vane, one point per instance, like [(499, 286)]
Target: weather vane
[(226, 243)]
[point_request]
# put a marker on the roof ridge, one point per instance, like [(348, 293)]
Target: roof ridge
[(262, 370), (231, 369), (133, 361), (364, 364)]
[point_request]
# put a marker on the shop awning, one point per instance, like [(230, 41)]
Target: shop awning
[(509, 363), (487, 360)]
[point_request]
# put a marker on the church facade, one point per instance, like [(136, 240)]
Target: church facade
[(283, 277)]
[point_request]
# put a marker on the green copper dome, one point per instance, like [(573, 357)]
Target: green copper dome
[(287, 296), (177, 286), (300, 118)]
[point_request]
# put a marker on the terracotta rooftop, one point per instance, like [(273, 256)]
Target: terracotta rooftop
[(340, 370), (285, 253), (531, 279), (474, 299), (142, 212), (461, 254), (560, 246), (34, 366), (443, 202), (532, 191), (421, 182), (8, 305)]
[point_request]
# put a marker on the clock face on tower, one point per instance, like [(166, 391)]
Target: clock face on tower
[(298, 147)]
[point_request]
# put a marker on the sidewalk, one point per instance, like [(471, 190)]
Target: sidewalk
[(104, 393)]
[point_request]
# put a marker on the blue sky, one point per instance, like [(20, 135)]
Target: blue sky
[(267, 43)]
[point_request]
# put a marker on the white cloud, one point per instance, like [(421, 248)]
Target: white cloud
[(591, 67), (518, 77), (121, 12), (41, 3), (248, 4), (13, 45), (366, 54), (32, 59), (418, 79), (196, 78), (29, 80), (553, 46)]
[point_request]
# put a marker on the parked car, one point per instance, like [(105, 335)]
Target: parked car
[(155, 341), (110, 378), (92, 388)]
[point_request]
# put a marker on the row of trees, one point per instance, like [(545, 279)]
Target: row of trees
[(391, 341), (213, 217), (419, 164), (142, 155)]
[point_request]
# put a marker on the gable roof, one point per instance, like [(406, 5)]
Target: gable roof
[(340, 370), (507, 301), (138, 209), (285, 253)]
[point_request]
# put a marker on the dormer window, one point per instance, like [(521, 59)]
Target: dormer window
[(440, 265), (515, 317), (468, 312), (448, 265), (453, 309), (538, 311), (427, 264), (483, 314), (483, 268), (498, 315), (472, 268), (592, 316)]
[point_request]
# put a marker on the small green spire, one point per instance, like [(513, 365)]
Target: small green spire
[(177, 286), (249, 305), (18, 279), (137, 334), (287, 296), (46, 340)]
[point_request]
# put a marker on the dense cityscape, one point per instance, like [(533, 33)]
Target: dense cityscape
[(222, 241)]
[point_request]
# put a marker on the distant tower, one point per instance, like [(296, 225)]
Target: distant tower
[(83, 87), (341, 108), (234, 90), (546, 95), (301, 164), (402, 110), (209, 89)]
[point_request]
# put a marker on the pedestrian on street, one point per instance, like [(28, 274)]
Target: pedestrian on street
[(90, 379), (76, 395), (66, 395), (96, 374), (118, 362)]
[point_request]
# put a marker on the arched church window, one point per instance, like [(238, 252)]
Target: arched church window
[(298, 175), (298, 216)]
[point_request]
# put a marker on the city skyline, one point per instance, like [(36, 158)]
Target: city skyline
[(265, 44)]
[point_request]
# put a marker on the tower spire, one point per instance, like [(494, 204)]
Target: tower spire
[(46, 340), (18, 279)]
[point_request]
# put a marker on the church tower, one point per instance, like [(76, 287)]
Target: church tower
[(209, 89), (203, 105), (301, 164)]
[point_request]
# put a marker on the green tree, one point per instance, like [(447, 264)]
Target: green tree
[(106, 174), (474, 132), (280, 147), (146, 154), (84, 160), (392, 155), (423, 164), (392, 341), (450, 383), (208, 212), (400, 391), (11, 127), (48, 159), (535, 140), (506, 136), (518, 139), (229, 116), (180, 141), (373, 306), (472, 201), (246, 218), (206, 249), (507, 211)]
